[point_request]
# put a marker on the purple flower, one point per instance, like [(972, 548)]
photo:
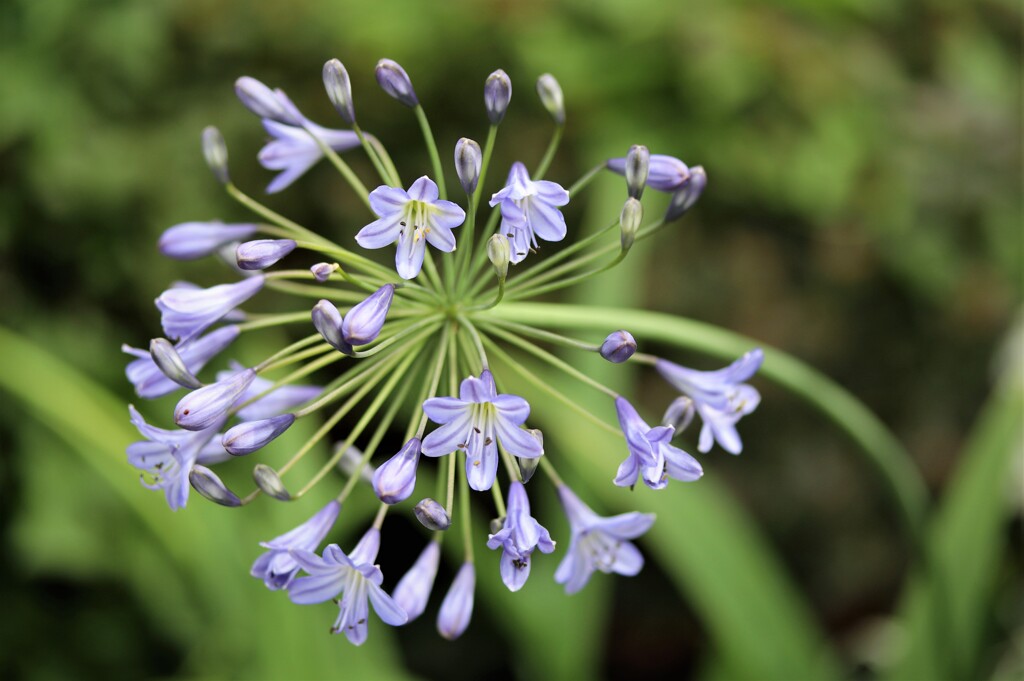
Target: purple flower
[(364, 321), (412, 218), (355, 577), (262, 253), (474, 422), (150, 382), (599, 543), (191, 240), (457, 606), (720, 397), (201, 408), (293, 150), (618, 347), (520, 535), (497, 95), (266, 103), (277, 401), (413, 589), (651, 457), (395, 479), (277, 568), (327, 321), (187, 312), (665, 173), (248, 436), (393, 79), (529, 210), (687, 194), (168, 456)]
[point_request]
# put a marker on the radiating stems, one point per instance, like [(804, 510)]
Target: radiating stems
[(297, 357), (497, 298), (294, 228), (549, 153), (348, 380), (475, 335), (314, 291), (302, 372), (530, 291), (383, 345), (257, 321), (431, 270), (385, 158), (550, 336), (581, 184), (435, 378), (371, 153), (453, 458), (378, 520), (435, 160), (343, 168), (530, 274), (297, 345)]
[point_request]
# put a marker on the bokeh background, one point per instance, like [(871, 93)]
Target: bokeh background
[(863, 214)]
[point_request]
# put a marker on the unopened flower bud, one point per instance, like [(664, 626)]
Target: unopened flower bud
[(499, 252), (363, 322), (618, 347), (468, 160), (327, 320), (679, 414), (395, 479), (457, 606), (638, 165), (497, 95), (432, 515), (393, 79), (528, 466), (248, 436), (201, 408), (687, 194), (551, 97), (269, 482), (322, 271), (262, 253), (339, 89), (267, 103), (191, 240), (167, 359), (207, 483), (215, 151), (413, 589), (629, 222), (496, 524)]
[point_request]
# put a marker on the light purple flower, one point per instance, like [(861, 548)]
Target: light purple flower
[(248, 436), (205, 406), (355, 577), (457, 606), (187, 312), (279, 400), (393, 79), (618, 347), (687, 194), (191, 240), (665, 173), (327, 321), (262, 253), (365, 320), (395, 479), (277, 568), (721, 397), (150, 382), (266, 103), (475, 421), (651, 457), (529, 210), (293, 150), (168, 456), (412, 218), (413, 589), (519, 536), (599, 543)]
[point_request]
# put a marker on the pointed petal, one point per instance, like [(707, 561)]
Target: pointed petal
[(409, 256), (317, 588), (481, 468), (513, 408), (517, 441), (380, 233), (424, 189), (628, 560), (448, 437), (514, 572), (385, 607), (446, 214), (388, 200), (444, 409), (626, 525), (680, 465)]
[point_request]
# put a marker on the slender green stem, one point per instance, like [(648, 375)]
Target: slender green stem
[(528, 291), (466, 253), (555, 338), (313, 291), (581, 184), (551, 472), (302, 372), (343, 168), (385, 158), (297, 357), (497, 298), (387, 342), (294, 228), (378, 520), (435, 159), (263, 321), (297, 345), (475, 335), (371, 153), (435, 377), (549, 153), (499, 503)]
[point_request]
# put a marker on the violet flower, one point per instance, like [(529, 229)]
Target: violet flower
[(457, 606), (395, 479), (203, 407), (529, 210), (651, 457), (187, 312), (191, 240), (665, 173), (413, 589), (150, 382), (519, 536), (277, 568), (293, 150)]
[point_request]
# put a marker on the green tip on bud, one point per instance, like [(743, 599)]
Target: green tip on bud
[(551, 97), (339, 90), (629, 222), (527, 467), (496, 524), (269, 481), (167, 360), (499, 252), (215, 151), (638, 165)]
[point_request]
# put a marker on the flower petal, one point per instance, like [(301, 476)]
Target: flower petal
[(386, 200), (385, 607), (409, 256), (444, 409), (424, 189), (380, 233), (517, 441), (448, 437)]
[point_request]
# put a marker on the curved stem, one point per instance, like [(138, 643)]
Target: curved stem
[(549, 154), (435, 160)]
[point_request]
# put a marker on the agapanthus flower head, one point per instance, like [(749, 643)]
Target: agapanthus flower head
[(187, 312), (262, 400), (294, 150), (651, 456), (191, 240), (518, 537), (529, 211), (277, 567), (150, 382)]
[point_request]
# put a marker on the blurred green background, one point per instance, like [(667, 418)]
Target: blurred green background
[(863, 214)]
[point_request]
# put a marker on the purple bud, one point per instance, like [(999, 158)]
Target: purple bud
[(350, 461), (322, 271), (215, 151), (395, 479), (191, 240), (413, 589), (551, 97), (393, 79), (497, 95), (247, 437), (150, 381), (457, 606), (363, 322), (679, 414), (327, 321), (201, 408), (267, 103), (269, 482), (638, 165), (432, 515), (256, 255), (339, 89), (212, 487), (618, 347), (468, 160), (687, 194), (167, 359), (664, 173)]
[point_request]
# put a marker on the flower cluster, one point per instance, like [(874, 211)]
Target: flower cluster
[(413, 344)]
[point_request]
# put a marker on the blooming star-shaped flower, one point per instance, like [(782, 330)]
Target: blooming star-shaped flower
[(529, 210), (355, 577), (277, 567), (293, 150), (518, 538), (599, 543), (475, 421), (412, 218), (651, 457)]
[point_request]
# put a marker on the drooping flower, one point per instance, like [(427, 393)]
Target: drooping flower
[(720, 397), (294, 150), (457, 606), (150, 382), (187, 312), (277, 568), (529, 211), (191, 240), (475, 421), (412, 218), (651, 457), (519, 536), (413, 590), (395, 479), (665, 173), (599, 543), (205, 406), (168, 456), (355, 577)]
